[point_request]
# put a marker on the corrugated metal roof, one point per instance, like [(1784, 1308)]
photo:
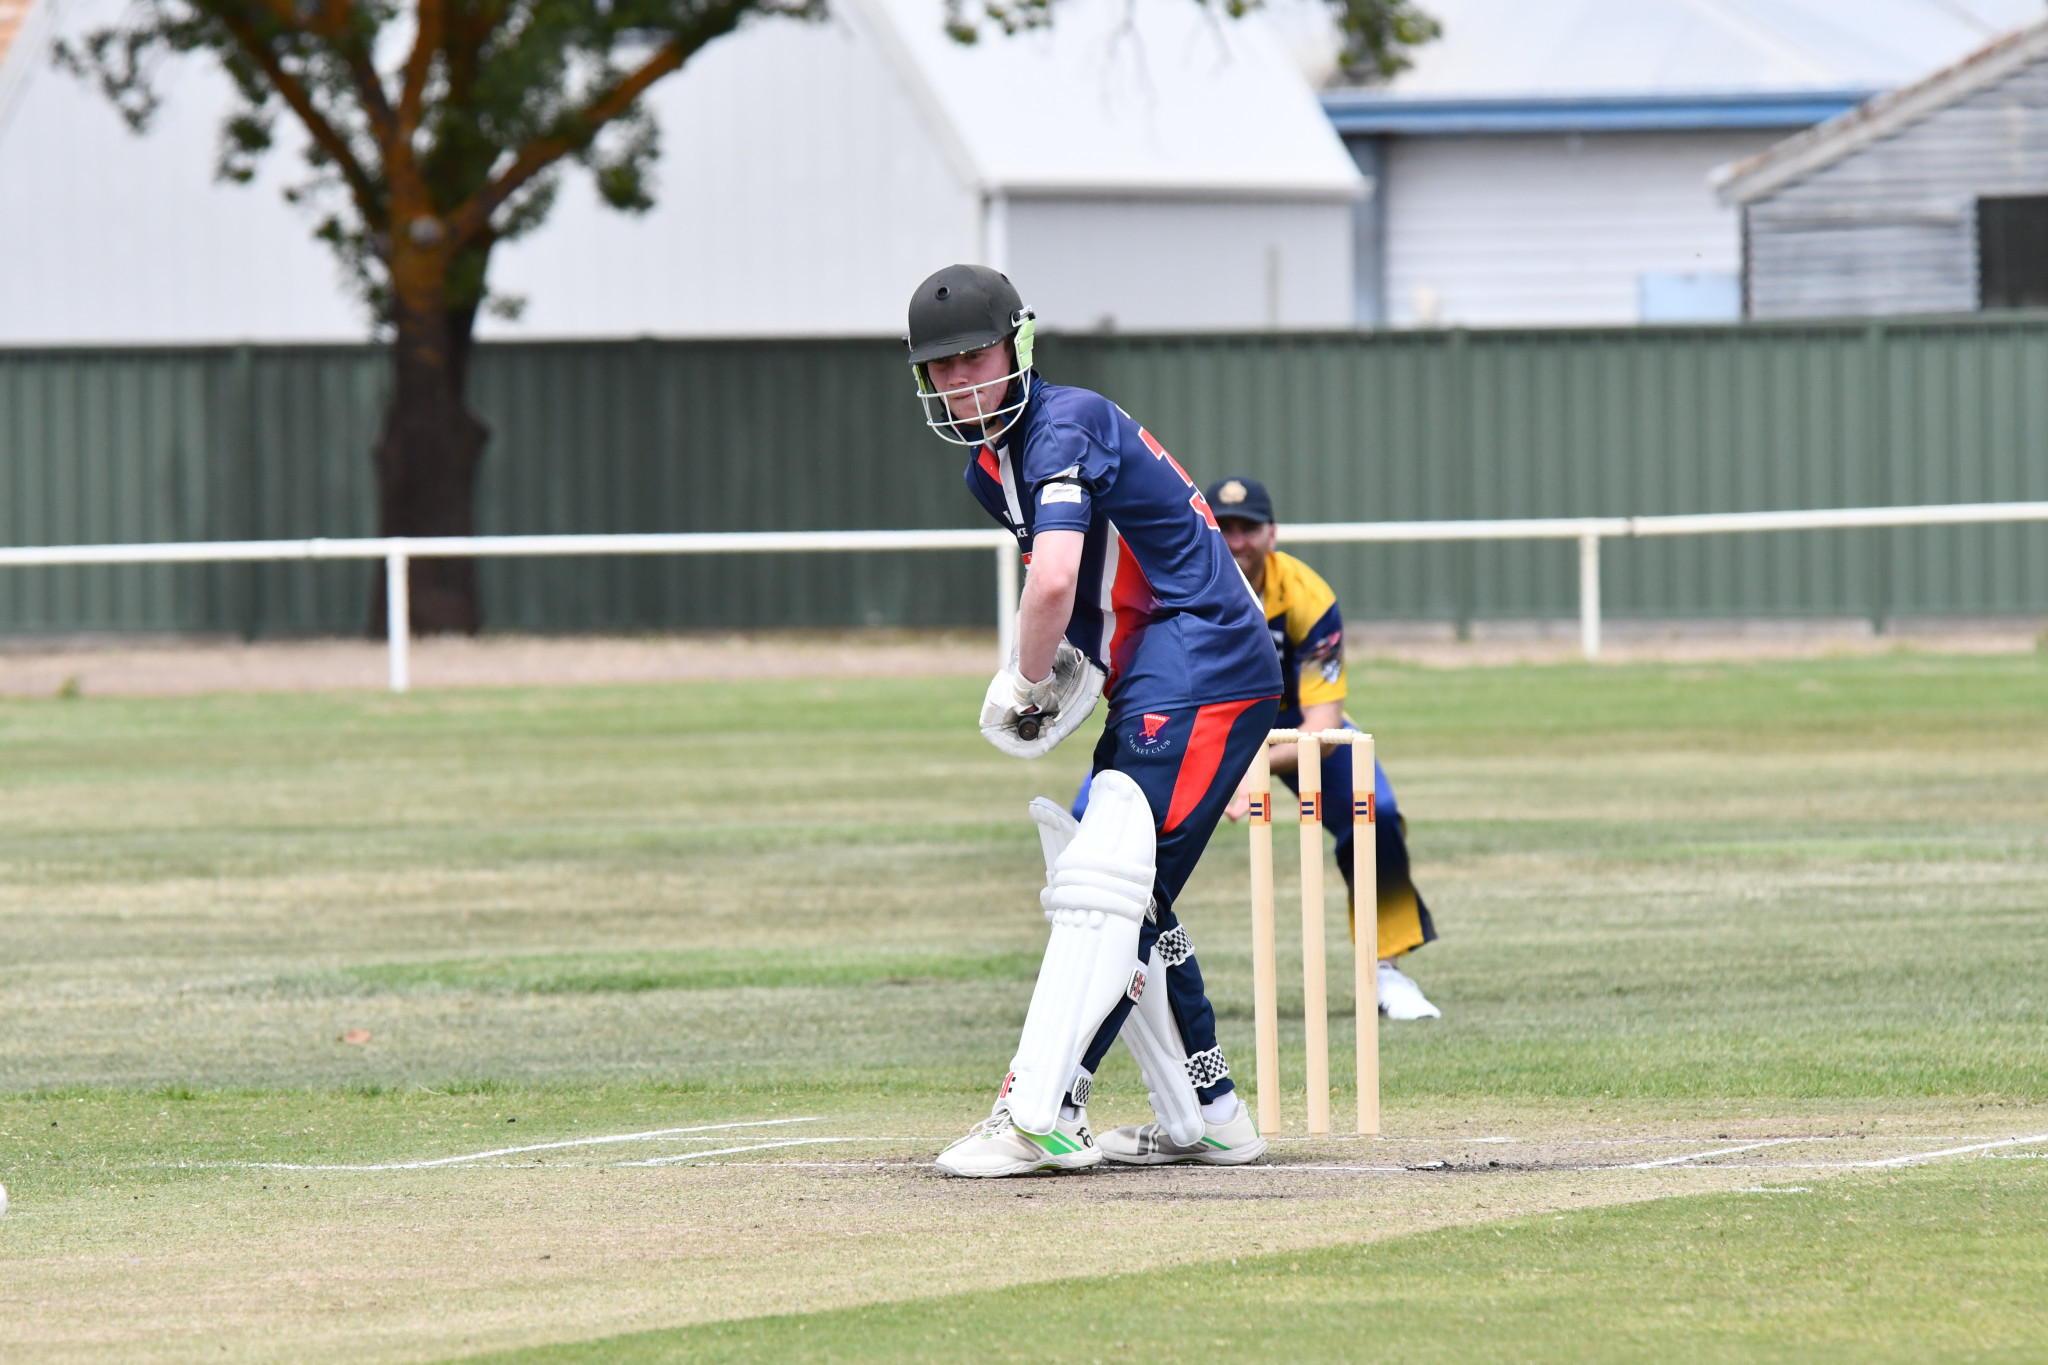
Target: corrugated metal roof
[(1801, 155), (1125, 97), (1512, 48)]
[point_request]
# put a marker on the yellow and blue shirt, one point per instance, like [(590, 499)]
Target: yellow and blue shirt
[(1308, 631)]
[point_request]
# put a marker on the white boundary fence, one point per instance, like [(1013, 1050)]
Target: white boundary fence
[(397, 552)]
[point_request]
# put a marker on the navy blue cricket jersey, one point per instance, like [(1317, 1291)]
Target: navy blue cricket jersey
[(1160, 605)]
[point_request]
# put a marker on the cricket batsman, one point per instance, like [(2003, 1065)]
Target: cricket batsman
[(1131, 595)]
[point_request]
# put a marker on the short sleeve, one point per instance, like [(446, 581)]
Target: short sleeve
[(1065, 467), (1315, 627)]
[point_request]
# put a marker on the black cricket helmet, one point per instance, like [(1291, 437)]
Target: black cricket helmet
[(969, 308)]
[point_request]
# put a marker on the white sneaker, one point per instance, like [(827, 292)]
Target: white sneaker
[(1401, 998), (1223, 1144), (996, 1146)]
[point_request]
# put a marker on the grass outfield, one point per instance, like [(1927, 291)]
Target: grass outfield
[(1858, 1271), (1685, 910)]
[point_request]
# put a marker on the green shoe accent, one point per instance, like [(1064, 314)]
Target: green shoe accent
[(1053, 1142), (1219, 1146)]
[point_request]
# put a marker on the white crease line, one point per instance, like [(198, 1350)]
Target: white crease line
[(648, 1136), (1883, 1163), (1776, 1189), (756, 1147), (1600, 1142), (1702, 1156), (1742, 1166), (1955, 1151)]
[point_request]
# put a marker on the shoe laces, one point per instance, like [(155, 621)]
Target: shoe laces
[(994, 1125)]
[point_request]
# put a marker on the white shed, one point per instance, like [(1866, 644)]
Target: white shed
[(1930, 199), (1549, 163), (1143, 165)]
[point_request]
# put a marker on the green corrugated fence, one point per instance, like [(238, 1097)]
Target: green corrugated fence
[(266, 442)]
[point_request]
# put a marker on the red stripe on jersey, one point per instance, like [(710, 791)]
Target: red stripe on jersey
[(987, 460), (1131, 604), (1204, 756)]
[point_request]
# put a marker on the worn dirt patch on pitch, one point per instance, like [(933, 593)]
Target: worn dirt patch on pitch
[(418, 1265), (414, 1264)]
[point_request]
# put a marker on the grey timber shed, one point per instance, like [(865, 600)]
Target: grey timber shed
[(1929, 199)]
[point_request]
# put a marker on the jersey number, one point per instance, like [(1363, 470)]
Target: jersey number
[(1195, 499)]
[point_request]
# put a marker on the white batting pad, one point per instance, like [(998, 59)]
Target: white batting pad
[(1153, 1036), (1056, 829), (1096, 897)]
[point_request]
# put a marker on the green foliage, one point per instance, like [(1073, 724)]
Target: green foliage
[(1377, 33)]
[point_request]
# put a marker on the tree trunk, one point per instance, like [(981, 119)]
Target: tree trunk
[(427, 458)]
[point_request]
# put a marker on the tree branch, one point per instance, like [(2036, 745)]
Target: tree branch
[(418, 66), (370, 86), (474, 216), (291, 17), (294, 93)]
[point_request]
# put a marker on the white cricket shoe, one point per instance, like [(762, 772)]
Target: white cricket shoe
[(1232, 1143), (1401, 998), (996, 1146)]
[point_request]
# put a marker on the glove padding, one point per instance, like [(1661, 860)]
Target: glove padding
[(1054, 707)]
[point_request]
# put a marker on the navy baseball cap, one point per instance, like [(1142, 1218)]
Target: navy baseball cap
[(1242, 498)]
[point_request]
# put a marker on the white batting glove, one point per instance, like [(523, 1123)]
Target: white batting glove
[(1028, 719)]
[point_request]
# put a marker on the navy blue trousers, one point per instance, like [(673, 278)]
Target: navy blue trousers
[(1188, 763)]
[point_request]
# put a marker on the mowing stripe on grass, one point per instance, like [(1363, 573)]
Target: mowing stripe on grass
[(649, 1136)]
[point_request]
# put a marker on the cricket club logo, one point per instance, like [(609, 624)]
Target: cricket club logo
[(1150, 737)]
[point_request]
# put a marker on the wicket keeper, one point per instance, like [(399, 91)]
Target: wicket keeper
[(1131, 595), (1308, 633)]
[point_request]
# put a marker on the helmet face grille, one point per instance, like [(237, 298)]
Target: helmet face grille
[(991, 423), (962, 309)]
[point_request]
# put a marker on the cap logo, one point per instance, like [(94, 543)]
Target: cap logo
[(1231, 493)]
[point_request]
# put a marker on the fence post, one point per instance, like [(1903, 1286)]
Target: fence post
[(1465, 496), (1589, 594), (1877, 440), (1006, 603), (398, 618)]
